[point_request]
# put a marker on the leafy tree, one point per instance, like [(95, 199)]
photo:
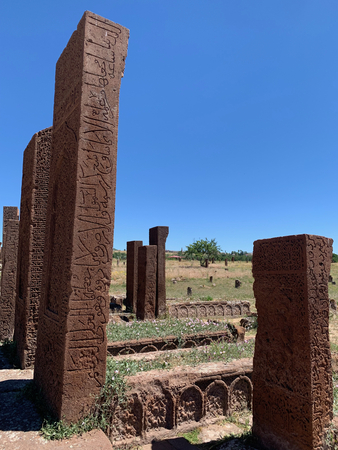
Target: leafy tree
[(202, 250), (334, 257)]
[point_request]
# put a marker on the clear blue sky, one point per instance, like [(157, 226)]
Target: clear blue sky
[(228, 113)]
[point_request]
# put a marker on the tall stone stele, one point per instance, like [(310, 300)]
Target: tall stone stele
[(8, 272), (146, 289), (70, 362), (132, 274), (34, 195), (158, 236), (292, 376)]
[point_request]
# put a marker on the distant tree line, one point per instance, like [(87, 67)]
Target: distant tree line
[(334, 257), (119, 255), (209, 249)]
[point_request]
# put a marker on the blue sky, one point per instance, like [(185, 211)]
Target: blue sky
[(228, 113)]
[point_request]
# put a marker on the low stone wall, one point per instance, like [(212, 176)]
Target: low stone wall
[(168, 343), (161, 403), (209, 309)]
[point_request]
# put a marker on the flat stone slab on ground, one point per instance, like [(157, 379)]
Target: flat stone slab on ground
[(18, 440)]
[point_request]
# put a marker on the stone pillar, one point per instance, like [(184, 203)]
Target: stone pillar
[(9, 213), (147, 276), (70, 361), (292, 400), (34, 195), (132, 266), (8, 279), (158, 236)]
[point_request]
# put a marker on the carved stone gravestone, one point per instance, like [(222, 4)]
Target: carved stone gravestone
[(70, 361), (147, 276), (292, 400), (34, 195), (8, 278), (132, 279), (158, 236)]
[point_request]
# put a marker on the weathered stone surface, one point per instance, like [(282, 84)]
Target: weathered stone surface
[(9, 213), (74, 308), (158, 236), (209, 309), (8, 279), (34, 195), (147, 275), (132, 279), (292, 364), (160, 403)]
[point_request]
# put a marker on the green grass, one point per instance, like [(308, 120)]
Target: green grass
[(162, 328), (333, 289), (192, 436)]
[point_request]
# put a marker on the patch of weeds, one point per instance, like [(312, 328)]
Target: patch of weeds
[(206, 299), (334, 347), (192, 436), (9, 350), (57, 429), (162, 328), (331, 438)]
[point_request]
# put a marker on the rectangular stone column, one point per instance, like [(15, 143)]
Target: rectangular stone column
[(9, 213), (158, 236), (70, 361), (132, 263), (292, 376), (8, 279), (147, 275), (34, 195)]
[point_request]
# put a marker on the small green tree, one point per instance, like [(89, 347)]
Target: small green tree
[(202, 250)]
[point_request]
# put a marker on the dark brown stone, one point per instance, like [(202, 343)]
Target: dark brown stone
[(189, 291), (211, 279), (292, 402), (206, 263), (8, 279), (233, 259), (225, 262), (147, 276), (9, 213), (237, 283), (158, 236), (70, 362), (34, 195), (132, 265)]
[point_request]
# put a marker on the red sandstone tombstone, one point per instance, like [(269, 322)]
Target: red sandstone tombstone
[(147, 276), (8, 279), (292, 401), (206, 263), (9, 213), (34, 195), (70, 362), (158, 236), (225, 262), (132, 279), (232, 259)]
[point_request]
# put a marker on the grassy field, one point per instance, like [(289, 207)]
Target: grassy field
[(191, 274)]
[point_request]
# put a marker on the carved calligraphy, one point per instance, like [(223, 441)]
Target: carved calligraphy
[(292, 400), (34, 195), (80, 224)]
